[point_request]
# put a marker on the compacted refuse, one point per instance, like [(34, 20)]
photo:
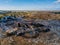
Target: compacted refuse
[(20, 27)]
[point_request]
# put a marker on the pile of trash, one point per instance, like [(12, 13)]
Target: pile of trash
[(18, 26)]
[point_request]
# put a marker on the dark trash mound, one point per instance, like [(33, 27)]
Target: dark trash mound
[(20, 27)]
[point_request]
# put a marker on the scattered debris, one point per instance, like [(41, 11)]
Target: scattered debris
[(23, 28)]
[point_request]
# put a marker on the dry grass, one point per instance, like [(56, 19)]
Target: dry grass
[(17, 41)]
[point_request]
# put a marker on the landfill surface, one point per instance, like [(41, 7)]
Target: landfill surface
[(18, 31)]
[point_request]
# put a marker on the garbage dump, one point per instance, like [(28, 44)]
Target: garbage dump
[(31, 31), (20, 27)]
